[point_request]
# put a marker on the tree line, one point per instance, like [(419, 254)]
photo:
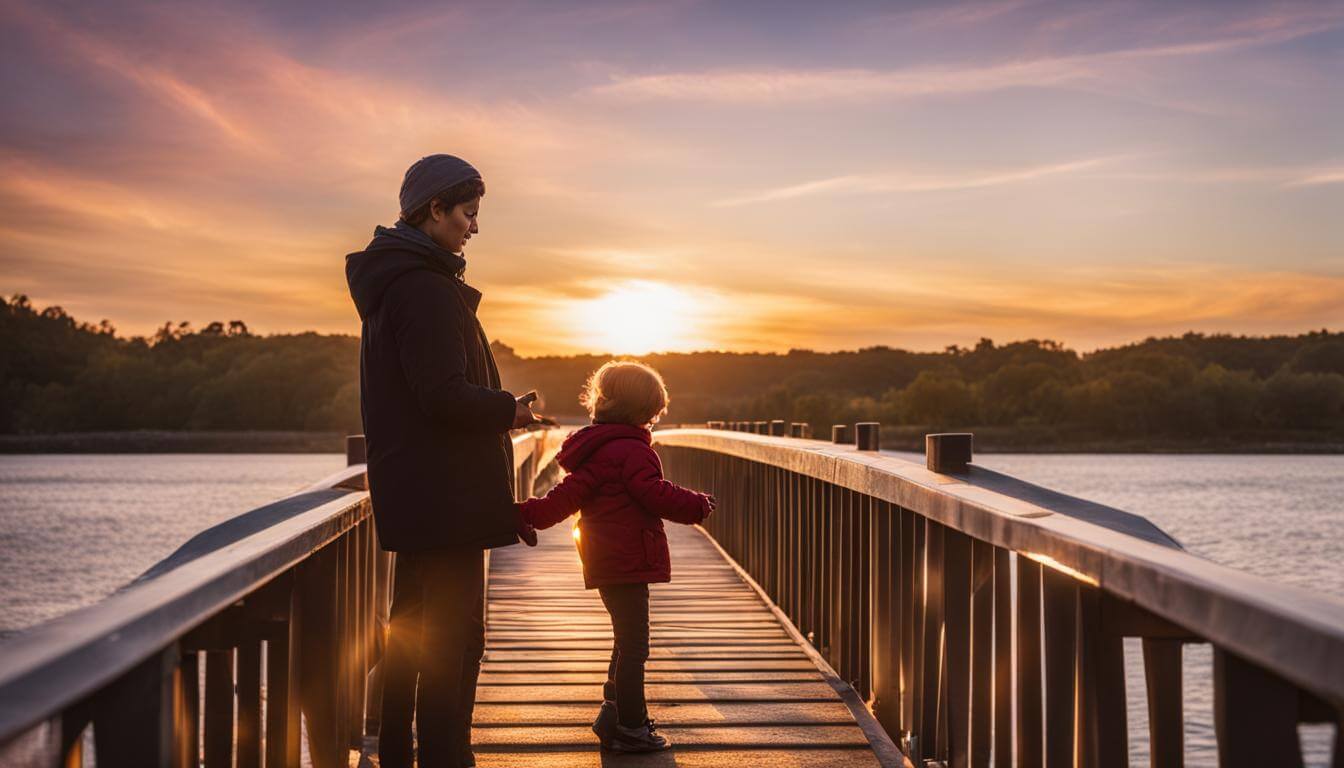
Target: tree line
[(60, 375)]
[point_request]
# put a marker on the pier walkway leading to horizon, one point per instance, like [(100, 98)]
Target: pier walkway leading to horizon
[(727, 683)]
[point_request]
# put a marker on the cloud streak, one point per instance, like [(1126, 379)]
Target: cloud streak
[(902, 183), (800, 86)]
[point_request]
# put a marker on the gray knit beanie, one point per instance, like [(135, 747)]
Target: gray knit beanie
[(431, 175)]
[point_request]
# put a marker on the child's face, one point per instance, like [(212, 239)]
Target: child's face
[(452, 229)]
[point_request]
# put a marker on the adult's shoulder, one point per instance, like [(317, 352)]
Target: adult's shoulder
[(417, 286)]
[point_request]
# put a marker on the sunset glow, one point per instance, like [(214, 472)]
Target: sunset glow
[(914, 175), (638, 318)]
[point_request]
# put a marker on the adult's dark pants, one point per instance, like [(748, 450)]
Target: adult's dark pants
[(628, 605), (438, 637)]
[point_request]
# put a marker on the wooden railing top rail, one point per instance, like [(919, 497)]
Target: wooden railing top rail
[(55, 664), (1294, 632)]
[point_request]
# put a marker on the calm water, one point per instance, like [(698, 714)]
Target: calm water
[(75, 528)]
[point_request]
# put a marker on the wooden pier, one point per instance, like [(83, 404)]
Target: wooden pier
[(840, 604), (727, 683)]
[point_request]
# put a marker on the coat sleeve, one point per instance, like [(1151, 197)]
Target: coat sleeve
[(426, 320), (643, 477), (566, 498)]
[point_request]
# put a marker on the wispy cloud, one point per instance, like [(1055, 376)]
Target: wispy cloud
[(785, 86), (1319, 177), (888, 183)]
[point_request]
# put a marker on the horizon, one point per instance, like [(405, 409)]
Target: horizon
[(689, 176), (191, 327)]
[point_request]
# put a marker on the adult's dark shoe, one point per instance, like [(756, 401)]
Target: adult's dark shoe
[(642, 739), (605, 724)]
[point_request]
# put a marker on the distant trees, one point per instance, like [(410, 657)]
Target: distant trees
[(59, 374), (1192, 386)]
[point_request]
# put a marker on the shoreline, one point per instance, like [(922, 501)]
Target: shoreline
[(163, 441), (896, 438)]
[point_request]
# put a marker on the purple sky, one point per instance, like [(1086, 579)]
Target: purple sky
[(755, 175)]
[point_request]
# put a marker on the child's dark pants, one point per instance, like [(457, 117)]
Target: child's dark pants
[(628, 605)]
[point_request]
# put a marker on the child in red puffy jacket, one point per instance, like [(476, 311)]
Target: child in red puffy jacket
[(616, 480)]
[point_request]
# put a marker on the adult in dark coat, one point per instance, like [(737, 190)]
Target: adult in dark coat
[(440, 461)]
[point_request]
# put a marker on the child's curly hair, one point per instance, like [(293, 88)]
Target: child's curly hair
[(625, 392)]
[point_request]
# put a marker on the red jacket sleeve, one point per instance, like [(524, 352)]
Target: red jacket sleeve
[(643, 477), (563, 500)]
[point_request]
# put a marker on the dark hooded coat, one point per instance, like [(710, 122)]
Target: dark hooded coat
[(616, 479), (440, 460)]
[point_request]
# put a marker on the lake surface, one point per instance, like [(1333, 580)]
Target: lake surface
[(74, 528)]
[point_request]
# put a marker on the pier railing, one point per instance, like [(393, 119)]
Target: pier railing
[(983, 617), (283, 606)]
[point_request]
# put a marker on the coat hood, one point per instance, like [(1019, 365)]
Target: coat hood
[(393, 252), (581, 445)]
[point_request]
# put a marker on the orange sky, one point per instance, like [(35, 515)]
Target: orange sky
[(912, 175)]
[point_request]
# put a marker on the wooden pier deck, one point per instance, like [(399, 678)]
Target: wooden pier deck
[(726, 682)]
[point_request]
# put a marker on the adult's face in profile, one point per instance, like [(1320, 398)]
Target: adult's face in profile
[(452, 228)]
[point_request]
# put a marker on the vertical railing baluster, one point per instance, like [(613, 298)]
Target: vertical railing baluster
[(1254, 715), (1030, 747), (218, 708), (282, 679), (1003, 659), (931, 647), (249, 702), (134, 718), (884, 643), (1059, 602), (909, 601), (957, 644), (1100, 711), (982, 650), (188, 727), (919, 612), (1166, 716)]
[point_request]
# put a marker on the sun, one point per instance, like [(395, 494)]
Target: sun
[(639, 317)]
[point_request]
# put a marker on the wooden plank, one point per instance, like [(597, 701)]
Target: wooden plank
[(725, 680), (699, 713), (756, 736), (756, 758), (718, 677)]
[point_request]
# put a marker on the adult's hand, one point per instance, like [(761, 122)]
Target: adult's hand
[(523, 415)]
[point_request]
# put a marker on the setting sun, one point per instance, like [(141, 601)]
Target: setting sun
[(640, 317)]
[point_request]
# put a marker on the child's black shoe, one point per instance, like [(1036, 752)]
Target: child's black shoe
[(645, 738), (605, 724)]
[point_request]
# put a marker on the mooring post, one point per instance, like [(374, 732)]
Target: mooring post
[(840, 433), (948, 451), (356, 452), (800, 429), (777, 427), (868, 436)]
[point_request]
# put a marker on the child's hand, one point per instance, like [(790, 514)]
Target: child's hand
[(528, 535), (526, 532), (711, 504)]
